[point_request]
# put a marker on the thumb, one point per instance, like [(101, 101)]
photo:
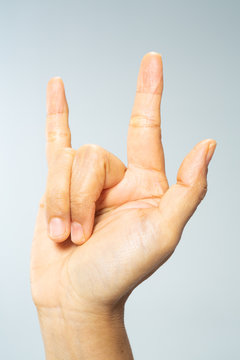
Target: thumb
[(181, 200)]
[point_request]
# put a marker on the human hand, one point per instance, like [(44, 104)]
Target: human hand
[(112, 226)]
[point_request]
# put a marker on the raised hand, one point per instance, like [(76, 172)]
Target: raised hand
[(102, 227)]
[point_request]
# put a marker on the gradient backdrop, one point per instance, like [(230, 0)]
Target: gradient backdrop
[(189, 309)]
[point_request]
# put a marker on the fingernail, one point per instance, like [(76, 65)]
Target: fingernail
[(210, 152), (57, 227), (77, 234), (56, 98)]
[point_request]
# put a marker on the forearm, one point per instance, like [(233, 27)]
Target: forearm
[(74, 336)]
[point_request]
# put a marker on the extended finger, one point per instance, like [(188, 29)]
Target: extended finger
[(182, 199), (144, 135), (58, 134), (60, 158), (178, 204)]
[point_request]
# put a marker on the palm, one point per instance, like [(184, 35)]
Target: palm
[(115, 251), (137, 220)]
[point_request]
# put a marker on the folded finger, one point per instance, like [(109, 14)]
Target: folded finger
[(94, 169)]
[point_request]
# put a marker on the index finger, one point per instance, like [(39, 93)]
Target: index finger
[(58, 134)]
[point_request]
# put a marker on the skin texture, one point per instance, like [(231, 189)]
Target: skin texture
[(103, 227)]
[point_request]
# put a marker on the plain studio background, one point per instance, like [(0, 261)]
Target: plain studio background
[(189, 309)]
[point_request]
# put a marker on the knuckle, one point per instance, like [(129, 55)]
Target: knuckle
[(61, 157), (81, 206), (53, 136), (64, 153), (57, 200), (200, 189), (145, 120), (91, 148), (93, 152), (54, 114), (82, 200)]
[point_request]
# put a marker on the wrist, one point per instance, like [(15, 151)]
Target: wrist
[(89, 334)]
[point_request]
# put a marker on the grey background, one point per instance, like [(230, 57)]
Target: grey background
[(189, 309)]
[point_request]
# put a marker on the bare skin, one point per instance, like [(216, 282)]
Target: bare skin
[(103, 227)]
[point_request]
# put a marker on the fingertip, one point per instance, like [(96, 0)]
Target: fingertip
[(56, 97), (77, 233), (55, 84), (153, 60), (58, 229), (153, 54), (150, 79), (55, 80), (212, 143), (207, 146), (205, 141), (211, 150)]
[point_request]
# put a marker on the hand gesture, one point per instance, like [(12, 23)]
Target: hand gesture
[(103, 227)]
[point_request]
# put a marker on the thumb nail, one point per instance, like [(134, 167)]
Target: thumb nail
[(211, 149)]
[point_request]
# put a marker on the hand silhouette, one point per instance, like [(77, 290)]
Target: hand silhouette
[(103, 227)]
